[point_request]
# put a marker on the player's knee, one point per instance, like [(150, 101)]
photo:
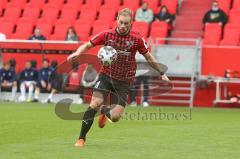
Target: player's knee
[(96, 102), (14, 84)]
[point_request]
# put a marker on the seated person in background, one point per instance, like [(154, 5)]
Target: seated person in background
[(34, 64), (55, 78), (71, 34), (37, 35), (144, 14), (135, 86), (54, 65), (215, 15), (164, 15), (44, 83), (28, 80), (12, 63), (89, 78), (8, 79)]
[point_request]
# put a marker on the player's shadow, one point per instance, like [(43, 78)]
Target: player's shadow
[(62, 108)]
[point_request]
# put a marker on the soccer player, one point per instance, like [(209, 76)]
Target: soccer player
[(8, 79), (28, 80), (117, 77), (44, 83)]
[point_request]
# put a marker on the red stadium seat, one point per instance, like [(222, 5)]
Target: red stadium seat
[(6, 19), (20, 36), (39, 3), (135, 3), (24, 29), (24, 26), (159, 30), (160, 24), (84, 21), (83, 31), (1, 11), (57, 37), (225, 5), (31, 11), (61, 27), (70, 6), (51, 6), (231, 36), (3, 3), (212, 34), (99, 28), (132, 4), (114, 4), (109, 15), (104, 23), (235, 11), (107, 7), (88, 13), (153, 4), (26, 20), (69, 12), (171, 5), (142, 27), (236, 4), (17, 3), (93, 4), (58, 3), (12, 12), (63, 22), (77, 3), (45, 28), (133, 8), (50, 12), (234, 18), (6, 26)]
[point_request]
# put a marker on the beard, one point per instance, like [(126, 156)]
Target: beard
[(122, 31)]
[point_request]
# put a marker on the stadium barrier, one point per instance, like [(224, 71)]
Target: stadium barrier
[(215, 60), (212, 61)]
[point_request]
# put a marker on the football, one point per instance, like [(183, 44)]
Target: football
[(107, 55)]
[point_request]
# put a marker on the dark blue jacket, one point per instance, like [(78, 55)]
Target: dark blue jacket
[(7, 75), (29, 75), (44, 74)]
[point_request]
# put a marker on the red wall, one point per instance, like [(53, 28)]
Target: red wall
[(215, 60)]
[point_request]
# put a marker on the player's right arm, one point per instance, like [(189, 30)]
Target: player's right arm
[(83, 48), (98, 39)]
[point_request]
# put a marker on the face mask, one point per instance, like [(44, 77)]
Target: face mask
[(214, 8)]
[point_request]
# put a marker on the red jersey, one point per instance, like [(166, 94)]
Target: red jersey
[(124, 68)]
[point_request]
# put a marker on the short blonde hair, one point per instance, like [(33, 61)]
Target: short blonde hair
[(125, 12)]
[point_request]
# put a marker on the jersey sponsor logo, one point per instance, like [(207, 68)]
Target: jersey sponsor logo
[(122, 47)]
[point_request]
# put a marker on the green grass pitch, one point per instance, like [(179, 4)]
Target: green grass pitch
[(33, 131)]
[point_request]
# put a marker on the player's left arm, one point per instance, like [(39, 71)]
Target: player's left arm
[(153, 63)]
